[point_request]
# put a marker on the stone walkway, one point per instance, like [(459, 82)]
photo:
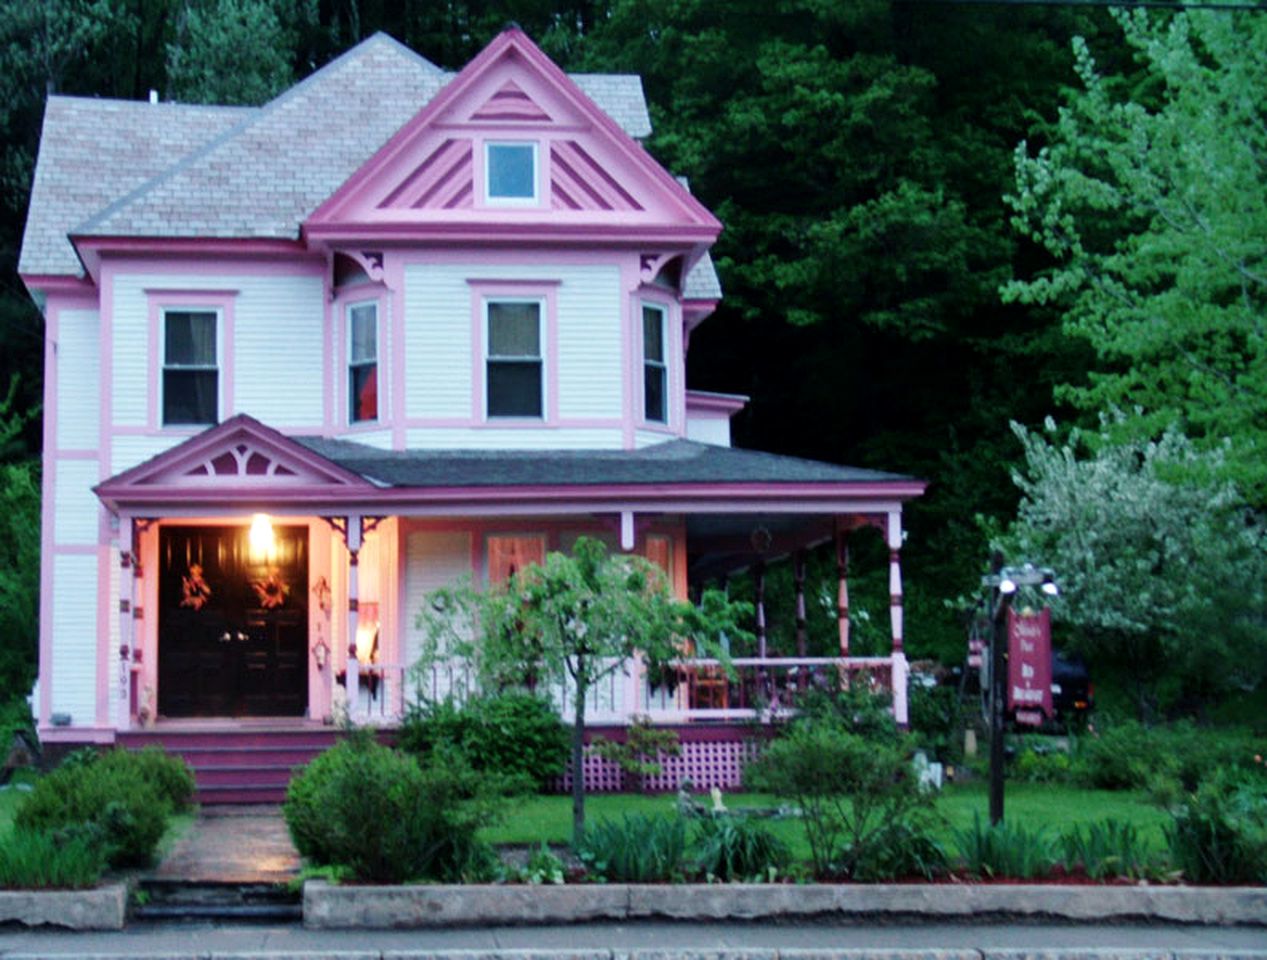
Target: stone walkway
[(233, 845)]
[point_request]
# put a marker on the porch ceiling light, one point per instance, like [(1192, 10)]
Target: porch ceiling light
[(261, 536)]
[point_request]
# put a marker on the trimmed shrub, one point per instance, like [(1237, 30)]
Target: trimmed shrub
[(386, 818), (849, 786), (69, 859), (636, 849), (1034, 767), (1218, 834), (515, 735), (1111, 848), (1130, 756), (1005, 850), (732, 848), (111, 793), (169, 775)]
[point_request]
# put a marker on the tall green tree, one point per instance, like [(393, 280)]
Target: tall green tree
[(228, 52), (1152, 197)]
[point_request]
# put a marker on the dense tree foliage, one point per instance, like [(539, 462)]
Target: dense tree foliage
[(1163, 572), (1152, 195)]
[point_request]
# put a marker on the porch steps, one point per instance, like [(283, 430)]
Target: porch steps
[(238, 766), (203, 900)]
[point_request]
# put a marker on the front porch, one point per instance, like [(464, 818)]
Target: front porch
[(335, 547)]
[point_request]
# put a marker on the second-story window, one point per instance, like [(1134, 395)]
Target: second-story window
[(191, 374), (510, 172), (514, 362), (655, 369), (363, 362)]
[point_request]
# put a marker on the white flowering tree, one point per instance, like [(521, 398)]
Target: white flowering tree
[(1163, 572)]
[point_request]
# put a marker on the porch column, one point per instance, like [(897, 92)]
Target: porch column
[(758, 574), (128, 560), (353, 679), (798, 575), (842, 589), (895, 577)]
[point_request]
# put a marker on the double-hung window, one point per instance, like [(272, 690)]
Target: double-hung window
[(514, 358), (655, 369), (362, 362), (191, 373)]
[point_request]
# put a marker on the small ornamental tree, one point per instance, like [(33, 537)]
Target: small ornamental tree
[(575, 620)]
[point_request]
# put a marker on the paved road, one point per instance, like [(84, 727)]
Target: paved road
[(670, 940)]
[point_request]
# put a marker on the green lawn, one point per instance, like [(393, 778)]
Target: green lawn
[(1054, 807)]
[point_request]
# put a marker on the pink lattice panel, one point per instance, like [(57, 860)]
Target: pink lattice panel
[(706, 764)]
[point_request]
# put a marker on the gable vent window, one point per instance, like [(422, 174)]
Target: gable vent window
[(655, 371), (363, 363), (511, 172), (514, 358), (191, 376)]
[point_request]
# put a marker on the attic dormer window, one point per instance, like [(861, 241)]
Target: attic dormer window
[(510, 172)]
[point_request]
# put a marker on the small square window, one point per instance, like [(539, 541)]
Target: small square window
[(511, 171)]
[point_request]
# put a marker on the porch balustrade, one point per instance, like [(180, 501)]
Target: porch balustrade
[(690, 690)]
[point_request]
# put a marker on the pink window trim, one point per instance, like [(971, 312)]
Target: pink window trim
[(358, 296), (483, 291), (222, 302), (673, 355)]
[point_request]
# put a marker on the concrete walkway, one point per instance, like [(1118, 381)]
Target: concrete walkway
[(231, 844), (653, 941)]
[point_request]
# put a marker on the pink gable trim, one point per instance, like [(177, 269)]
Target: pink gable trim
[(240, 457), (511, 90)]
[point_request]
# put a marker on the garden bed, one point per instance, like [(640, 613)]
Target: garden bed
[(371, 907)]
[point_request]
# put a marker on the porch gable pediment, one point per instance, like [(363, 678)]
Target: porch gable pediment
[(239, 455)]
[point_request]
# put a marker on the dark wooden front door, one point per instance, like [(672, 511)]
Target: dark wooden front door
[(233, 626)]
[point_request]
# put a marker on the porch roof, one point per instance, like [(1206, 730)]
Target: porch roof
[(670, 462)]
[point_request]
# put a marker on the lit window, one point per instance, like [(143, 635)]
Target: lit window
[(655, 371), (363, 362), (191, 377), (514, 358), (511, 172)]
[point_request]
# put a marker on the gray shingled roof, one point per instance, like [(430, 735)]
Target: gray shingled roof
[(94, 151), (674, 461), (126, 168)]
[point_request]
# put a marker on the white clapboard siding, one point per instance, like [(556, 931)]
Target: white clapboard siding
[(382, 439), (129, 450), (76, 509), (78, 361), (439, 308), (493, 438), (74, 667), (433, 559), (438, 346), (278, 359)]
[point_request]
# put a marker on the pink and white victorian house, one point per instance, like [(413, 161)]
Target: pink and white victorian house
[(307, 362)]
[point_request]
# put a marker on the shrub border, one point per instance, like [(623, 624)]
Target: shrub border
[(97, 908), (330, 907)]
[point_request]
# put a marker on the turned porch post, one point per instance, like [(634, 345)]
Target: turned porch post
[(128, 559), (894, 528), (798, 575), (842, 589), (758, 573), (353, 680)]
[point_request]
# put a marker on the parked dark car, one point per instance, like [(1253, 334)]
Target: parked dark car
[(1072, 692)]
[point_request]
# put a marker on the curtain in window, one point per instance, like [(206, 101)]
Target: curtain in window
[(190, 378), (514, 330), (508, 555)]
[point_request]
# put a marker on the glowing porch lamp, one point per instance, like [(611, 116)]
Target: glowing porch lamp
[(261, 537)]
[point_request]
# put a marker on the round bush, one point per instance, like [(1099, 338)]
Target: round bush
[(388, 819), (109, 793)]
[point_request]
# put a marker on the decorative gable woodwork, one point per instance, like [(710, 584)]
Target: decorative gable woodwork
[(511, 103), (594, 180)]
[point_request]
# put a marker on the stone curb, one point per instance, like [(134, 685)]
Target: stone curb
[(102, 908), (1110, 953), (350, 907)]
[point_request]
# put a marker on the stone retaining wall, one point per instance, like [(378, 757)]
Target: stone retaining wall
[(345, 907), (103, 908)]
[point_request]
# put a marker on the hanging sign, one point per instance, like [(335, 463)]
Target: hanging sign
[(1029, 665)]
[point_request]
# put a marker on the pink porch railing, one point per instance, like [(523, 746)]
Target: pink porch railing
[(694, 690)]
